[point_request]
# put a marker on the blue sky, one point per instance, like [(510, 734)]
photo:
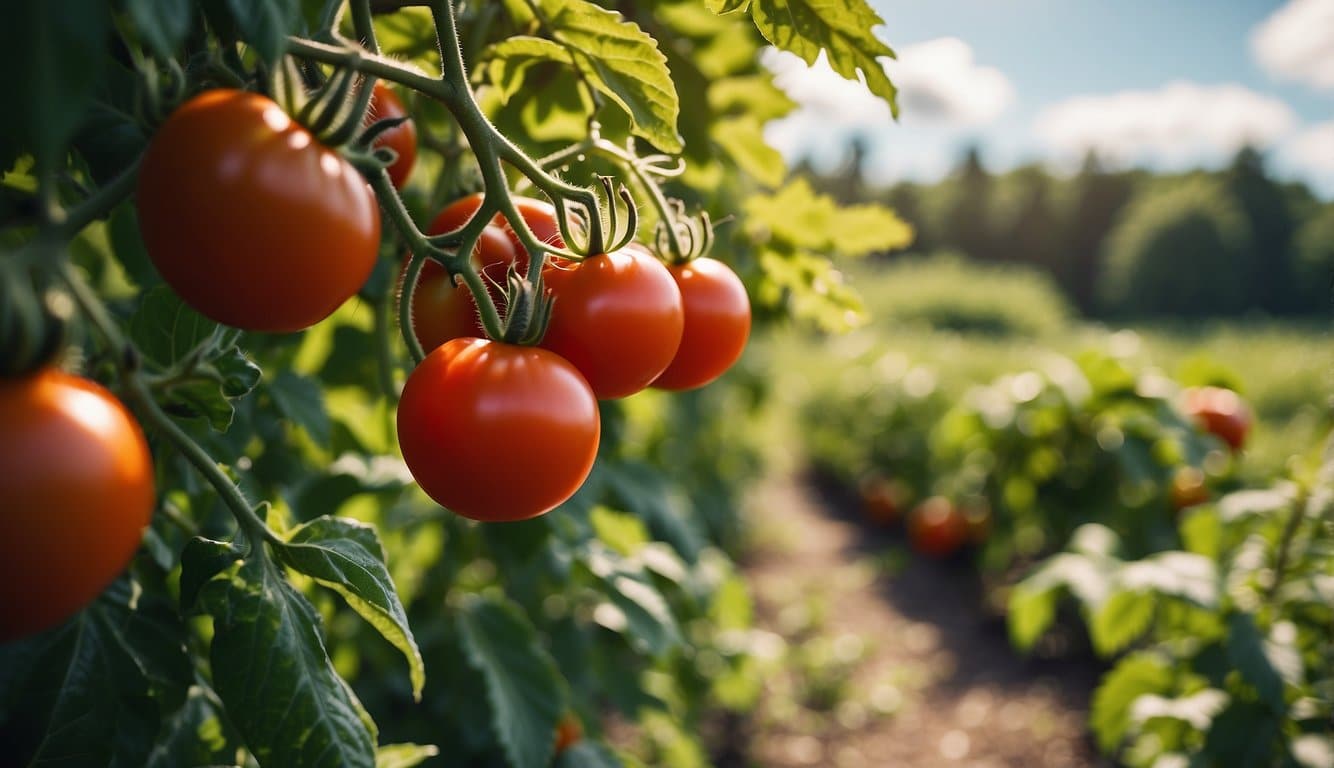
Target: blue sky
[(1159, 84)]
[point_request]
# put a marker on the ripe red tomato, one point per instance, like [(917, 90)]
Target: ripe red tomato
[(617, 317), (497, 432), (385, 104), (441, 309), (936, 527), (251, 220), (717, 324), (1188, 488), (541, 219), (1221, 412), (76, 490), (568, 732), (493, 246)]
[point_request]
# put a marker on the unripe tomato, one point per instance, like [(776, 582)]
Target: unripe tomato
[(402, 138), (497, 432), (249, 219), (936, 527), (617, 317), (717, 324), (1221, 412), (76, 491), (1188, 488), (569, 731)]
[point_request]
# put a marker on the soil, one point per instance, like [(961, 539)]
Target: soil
[(891, 659)]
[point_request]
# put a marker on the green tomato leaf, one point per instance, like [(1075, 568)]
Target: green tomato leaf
[(1120, 620), (202, 560), (721, 7), (302, 400), (201, 398), (195, 734), (272, 670), (1198, 709), (166, 329), (403, 755), (1031, 611), (162, 24), (1243, 736), (1246, 648), (1180, 574), (239, 373), (128, 246), (1313, 751), (587, 754), (55, 50), (635, 609), (347, 557), (509, 60), (265, 24), (526, 692), (841, 29), (623, 63), (1135, 675), (742, 138)]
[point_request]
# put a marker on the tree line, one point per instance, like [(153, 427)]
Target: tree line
[(1129, 243)]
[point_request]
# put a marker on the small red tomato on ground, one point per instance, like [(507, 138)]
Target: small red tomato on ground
[(569, 731), (617, 317), (717, 324), (1220, 412), (1188, 488), (249, 219), (936, 527), (883, 499), (402, 138), (76, 491), (497, 432)]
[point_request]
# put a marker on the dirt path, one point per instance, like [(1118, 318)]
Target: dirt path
[(891, 660)]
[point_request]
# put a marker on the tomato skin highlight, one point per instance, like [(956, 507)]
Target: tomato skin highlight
[(249, 219), (717, 324), (617, 317), (76, 491), (497, 432), (402, 138)]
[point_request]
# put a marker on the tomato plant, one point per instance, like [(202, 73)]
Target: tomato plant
[(617, 317), (250, 219), (497, 432), (402, 138), (717, 324), (76, 484), (285, 520)]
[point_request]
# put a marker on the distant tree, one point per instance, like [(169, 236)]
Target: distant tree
[(1027, 221), (1097, 199), (1265, 205), (1181, 249), (1313, 262), (906, 200), (966, 223)]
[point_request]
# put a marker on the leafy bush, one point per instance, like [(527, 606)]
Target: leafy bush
[(1180, 249)]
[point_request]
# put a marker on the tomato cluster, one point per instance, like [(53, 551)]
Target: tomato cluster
[(622, 321), (270, 230)]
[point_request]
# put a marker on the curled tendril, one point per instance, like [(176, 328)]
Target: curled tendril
[(684, 237)]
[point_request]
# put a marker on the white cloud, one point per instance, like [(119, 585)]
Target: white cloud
[(1177, 125), (1310, 155), (939, 84), (1296, 42), (938, 80)]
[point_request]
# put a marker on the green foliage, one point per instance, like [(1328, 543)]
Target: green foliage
[(943, 291), (294, 584), (1182, 250)]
